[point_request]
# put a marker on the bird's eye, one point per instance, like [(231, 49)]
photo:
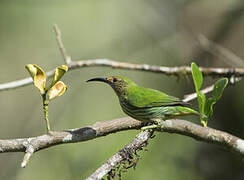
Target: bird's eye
[(115, 79)]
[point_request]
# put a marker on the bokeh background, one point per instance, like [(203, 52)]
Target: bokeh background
[(154, 32)]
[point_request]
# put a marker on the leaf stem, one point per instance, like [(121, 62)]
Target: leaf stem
[(204, 122), (45, 108)]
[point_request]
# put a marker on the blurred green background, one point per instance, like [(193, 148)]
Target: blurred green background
[(154, 32)]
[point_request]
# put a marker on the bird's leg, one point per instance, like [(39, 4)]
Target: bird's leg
[(157, 124)]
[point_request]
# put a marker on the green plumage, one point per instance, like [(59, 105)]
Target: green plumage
[(146, 104)]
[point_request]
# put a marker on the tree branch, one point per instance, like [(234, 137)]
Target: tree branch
[(177, 71), (69, 136), (125, 154), (205, 134), (99, 129)]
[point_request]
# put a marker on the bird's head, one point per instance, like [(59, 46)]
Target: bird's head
[(118, 83)]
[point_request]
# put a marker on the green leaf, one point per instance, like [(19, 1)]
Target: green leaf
[(219, 87), (197, 76), (201, 101), (59, 72), (201, 98), (209, 107), (198, 79)]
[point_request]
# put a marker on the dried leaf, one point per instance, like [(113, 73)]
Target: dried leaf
[(57, 90), (38, 76), (59, 72)]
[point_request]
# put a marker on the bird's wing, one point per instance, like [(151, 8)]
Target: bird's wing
[(141, 97)]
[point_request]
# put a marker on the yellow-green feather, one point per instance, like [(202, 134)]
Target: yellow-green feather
[(148, 104)]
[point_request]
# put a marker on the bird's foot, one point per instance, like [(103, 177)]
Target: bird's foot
[(157, 124), (150, 127)]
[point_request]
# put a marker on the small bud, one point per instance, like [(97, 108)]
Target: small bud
[(59, 72), (57, 90), (38, 76)]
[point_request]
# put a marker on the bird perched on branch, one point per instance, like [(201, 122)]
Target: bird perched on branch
[(145, 104)]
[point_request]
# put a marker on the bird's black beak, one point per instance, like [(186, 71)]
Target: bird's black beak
[(99, 79)]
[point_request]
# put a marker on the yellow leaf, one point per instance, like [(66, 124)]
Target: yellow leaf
[(59, 72), (38, 76), (57, 90)]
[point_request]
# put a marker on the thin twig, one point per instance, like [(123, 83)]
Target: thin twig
[(66, 57), (29, 151), (222, 53), (180, 70), (21, 83), (122, 155), (208, 89), (192, 96), (219, 51), (177, 71), (229, 20)]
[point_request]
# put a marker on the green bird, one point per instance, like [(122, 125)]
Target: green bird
[(145, 104)]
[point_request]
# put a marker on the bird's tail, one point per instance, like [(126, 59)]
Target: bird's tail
[(187, 111), (199, 114)]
